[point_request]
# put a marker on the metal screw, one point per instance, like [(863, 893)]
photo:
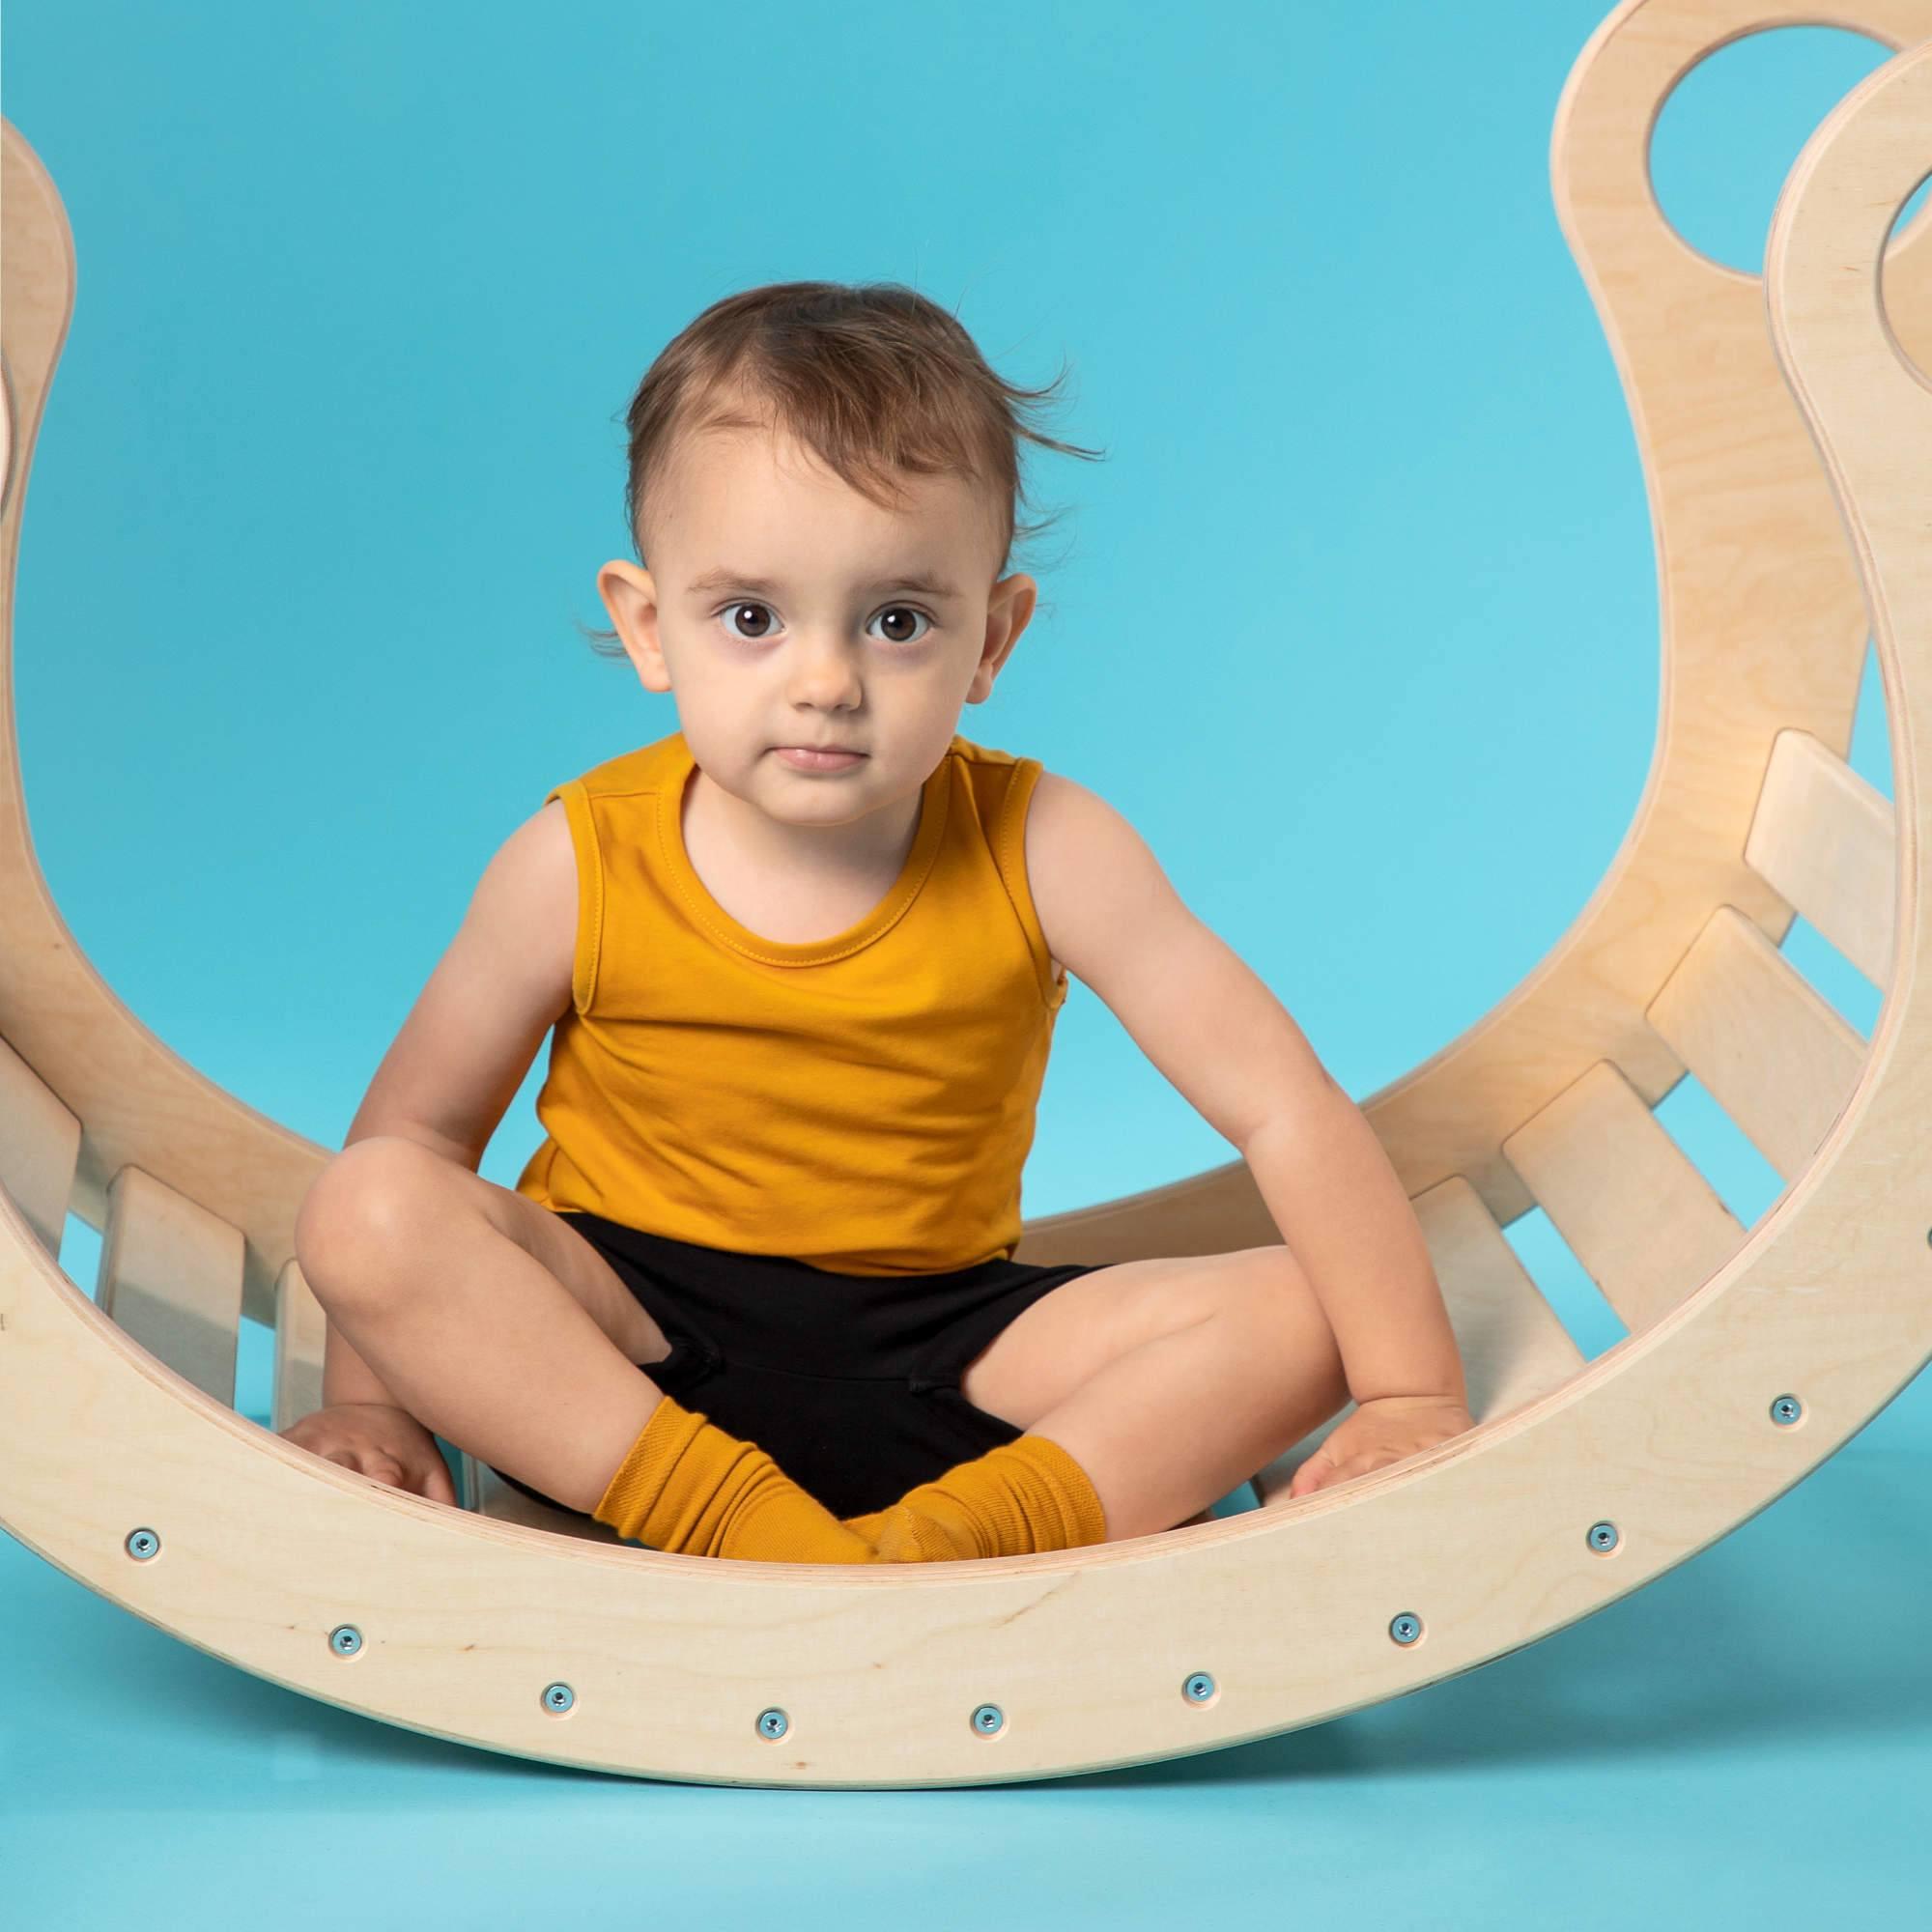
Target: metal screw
[(345, 1639), (559, 1698), (1604, 1536), (1786, 1410), (143, 1543), (1199, 1688), (1406, 1627), (773, 1723), (989, 1720)]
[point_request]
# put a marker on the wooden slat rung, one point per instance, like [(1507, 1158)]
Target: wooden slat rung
[(1513, 1347), (1631, 1206), (1773, 1052), (302, 1331), (39, 1149), (171, 1278), (1827, 842)]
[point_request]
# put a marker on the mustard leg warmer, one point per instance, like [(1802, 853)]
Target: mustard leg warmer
[(688, 1486), (1019, 1499)]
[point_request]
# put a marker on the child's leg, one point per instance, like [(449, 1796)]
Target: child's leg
[(1170, 1426), (485, 1347)]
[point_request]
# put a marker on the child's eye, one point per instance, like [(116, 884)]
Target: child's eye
[(731, 612), (907, 611)]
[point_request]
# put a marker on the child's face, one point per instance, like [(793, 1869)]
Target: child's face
[(783, 611)]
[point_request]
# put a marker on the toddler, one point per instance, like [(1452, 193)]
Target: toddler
[(802, 1001)]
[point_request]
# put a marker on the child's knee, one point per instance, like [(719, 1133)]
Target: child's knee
[(361, 1205)]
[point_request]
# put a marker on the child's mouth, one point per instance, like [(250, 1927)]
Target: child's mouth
[(803, 759)]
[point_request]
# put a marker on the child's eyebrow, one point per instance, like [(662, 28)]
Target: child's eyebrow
[(731, 580)]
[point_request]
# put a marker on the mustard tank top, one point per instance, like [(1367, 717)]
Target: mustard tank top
[(862, 1103)]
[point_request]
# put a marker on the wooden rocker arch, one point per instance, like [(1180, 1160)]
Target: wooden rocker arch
[(1786, 437)]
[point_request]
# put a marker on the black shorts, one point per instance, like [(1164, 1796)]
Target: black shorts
[(850, 1382)]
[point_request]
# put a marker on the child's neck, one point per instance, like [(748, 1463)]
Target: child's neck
[(790, 883)]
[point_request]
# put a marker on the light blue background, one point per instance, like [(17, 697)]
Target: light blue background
[(1358, 623)]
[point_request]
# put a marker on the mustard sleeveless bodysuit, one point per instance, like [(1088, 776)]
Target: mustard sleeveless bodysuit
[(862, 1103)]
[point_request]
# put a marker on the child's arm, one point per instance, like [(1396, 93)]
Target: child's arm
[(505, 982), (468, 1042), (1211, 1025)]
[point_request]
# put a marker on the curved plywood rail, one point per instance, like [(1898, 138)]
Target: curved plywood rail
[(1752, 1354)]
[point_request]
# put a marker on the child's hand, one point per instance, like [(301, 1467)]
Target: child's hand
[(1383, 1430), (377, 1441)]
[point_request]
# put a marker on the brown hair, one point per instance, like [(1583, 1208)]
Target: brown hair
[(871, 378)]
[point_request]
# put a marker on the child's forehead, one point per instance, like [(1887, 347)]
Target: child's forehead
[(750, 485)]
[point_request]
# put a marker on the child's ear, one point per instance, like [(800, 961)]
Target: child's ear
[(1008, 610), (630, 595)]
